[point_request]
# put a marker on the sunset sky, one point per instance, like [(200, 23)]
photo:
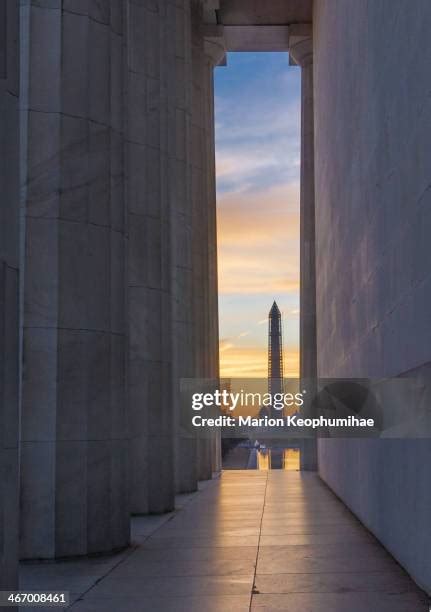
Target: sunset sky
[(257, 99)]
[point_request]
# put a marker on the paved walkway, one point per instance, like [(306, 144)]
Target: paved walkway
[(249, 541)]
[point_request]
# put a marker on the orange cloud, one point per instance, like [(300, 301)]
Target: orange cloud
[(252, 362), (238, 282), (225, 345), (258, 242)]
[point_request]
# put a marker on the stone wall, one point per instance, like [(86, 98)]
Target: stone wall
[(373, 222)]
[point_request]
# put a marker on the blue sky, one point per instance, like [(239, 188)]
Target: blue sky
[(257, 107)]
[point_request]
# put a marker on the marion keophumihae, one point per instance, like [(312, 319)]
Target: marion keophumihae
[(287, 421)]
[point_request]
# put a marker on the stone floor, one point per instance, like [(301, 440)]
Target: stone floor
[(250, 540)]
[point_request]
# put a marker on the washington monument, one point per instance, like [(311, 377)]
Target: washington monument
[(275, 351)]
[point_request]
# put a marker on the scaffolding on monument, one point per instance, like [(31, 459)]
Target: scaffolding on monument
[(275, 351)]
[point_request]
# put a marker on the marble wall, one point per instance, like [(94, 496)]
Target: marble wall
[(373, 221)]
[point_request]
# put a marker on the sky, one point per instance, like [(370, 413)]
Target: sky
[(257, 121)]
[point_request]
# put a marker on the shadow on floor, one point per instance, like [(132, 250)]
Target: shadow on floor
[(269, 540)]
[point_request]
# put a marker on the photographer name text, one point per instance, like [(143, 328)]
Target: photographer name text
[(282, 421)]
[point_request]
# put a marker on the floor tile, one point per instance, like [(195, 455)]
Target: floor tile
[(234, 603), (340, 602)]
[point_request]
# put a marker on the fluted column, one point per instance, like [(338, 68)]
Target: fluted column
[(183, 324), (9, 307), (214, 55), (150, 157), (301, 50), (199, 215), (205, 55), (74, 494), (196, 283)]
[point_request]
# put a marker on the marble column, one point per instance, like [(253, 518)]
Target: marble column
[(74, 450), (301, 51), (9, 305), (205, 55), (199, 215), (183, 326), (196, 270), (215, 54), (151, 127)]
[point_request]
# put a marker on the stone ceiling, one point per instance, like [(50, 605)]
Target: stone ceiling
[(264, 12), (255, 25)]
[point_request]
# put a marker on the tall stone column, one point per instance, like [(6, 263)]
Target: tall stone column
[(206, 53), (215, 54), (301, 50), (9, 307), (196, 303), (150, 156), (74, 451), (199, 215), (183, 324)]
